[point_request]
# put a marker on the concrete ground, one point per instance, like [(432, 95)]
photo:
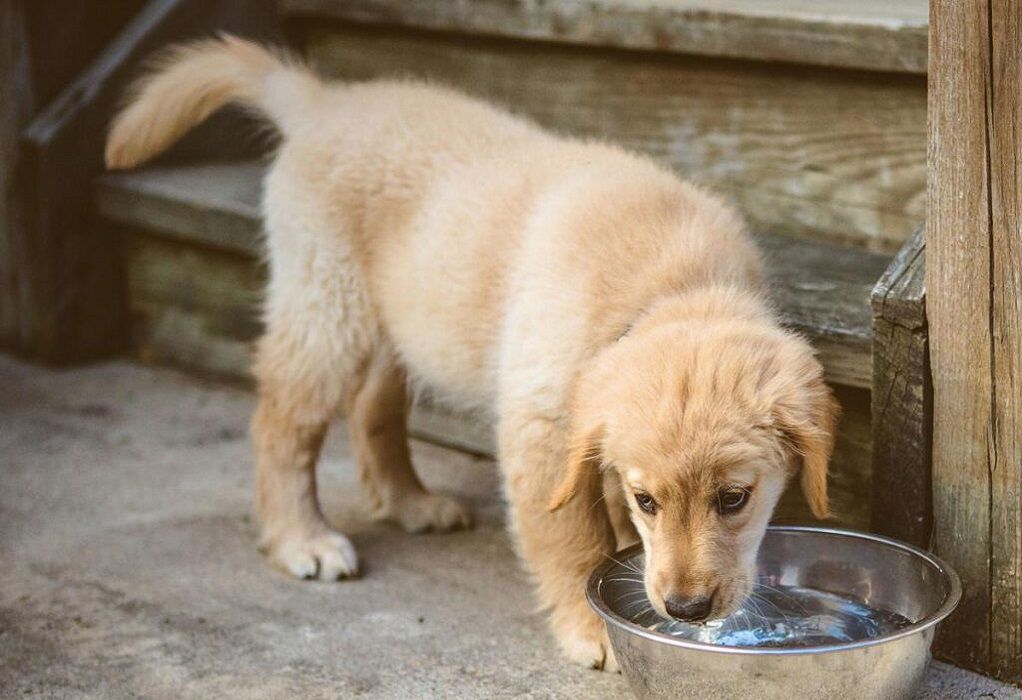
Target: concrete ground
[(128, 567)]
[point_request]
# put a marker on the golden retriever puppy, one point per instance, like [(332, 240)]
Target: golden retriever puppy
[(610, 317)]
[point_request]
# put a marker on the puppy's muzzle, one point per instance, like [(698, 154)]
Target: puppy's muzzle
[(694, 609)]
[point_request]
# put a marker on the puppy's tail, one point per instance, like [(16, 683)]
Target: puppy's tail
[(192, 81)]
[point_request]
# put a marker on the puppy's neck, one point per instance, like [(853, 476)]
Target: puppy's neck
[(710, 305)]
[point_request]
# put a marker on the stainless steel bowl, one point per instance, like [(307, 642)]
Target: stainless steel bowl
[(876, 571)]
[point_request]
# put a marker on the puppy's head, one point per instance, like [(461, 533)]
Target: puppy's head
[(704, 420)]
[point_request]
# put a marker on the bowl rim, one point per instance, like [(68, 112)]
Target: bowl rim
[(950, 602)]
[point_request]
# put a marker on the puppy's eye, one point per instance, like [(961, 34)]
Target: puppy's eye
[(646, 503), (732, 499)]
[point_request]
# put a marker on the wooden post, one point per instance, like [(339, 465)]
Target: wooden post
[(902, 399), (16, 103), (974, 305)]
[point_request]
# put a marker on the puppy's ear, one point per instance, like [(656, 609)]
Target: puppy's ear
[(807, 416), (583, 473), (583, 476)]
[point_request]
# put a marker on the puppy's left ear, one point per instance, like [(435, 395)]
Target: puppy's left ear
[(583, 469), (807, 416)]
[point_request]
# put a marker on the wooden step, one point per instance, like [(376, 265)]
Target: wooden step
[(821, 290), (192, 246), (867, 34)]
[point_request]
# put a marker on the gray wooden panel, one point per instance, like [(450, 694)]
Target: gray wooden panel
[(870, 34), (820, 289)]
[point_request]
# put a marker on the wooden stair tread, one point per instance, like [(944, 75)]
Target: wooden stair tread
[(821, 290), (864, 34)]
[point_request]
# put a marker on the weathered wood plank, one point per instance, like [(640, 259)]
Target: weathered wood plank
[(821, 290), (975, 321), (902, 400), (215, 204), (195, 307), (1005, 148), (870, 34), (833, 155)]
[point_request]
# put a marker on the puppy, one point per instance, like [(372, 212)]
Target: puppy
[(610, 317)]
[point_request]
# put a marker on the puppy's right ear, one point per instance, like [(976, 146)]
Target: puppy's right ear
[(584, 474)]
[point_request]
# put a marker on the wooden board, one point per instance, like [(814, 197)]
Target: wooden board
[(196, 307), (820, 289), (973, 291), (902, 400), (832, 155), (871, 34), (215, 204)]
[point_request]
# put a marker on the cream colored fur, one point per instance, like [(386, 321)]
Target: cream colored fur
[(607, 314)]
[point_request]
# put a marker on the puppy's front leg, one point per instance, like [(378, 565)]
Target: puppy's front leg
[(560, 548)]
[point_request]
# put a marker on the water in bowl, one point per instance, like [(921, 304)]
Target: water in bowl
[(787, 616)]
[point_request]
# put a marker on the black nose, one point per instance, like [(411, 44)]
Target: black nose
[(689, 609)]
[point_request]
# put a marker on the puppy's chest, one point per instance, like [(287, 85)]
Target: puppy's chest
[(447, 367), (444, 349)]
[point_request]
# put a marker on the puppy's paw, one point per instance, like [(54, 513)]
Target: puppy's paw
[(589, 646), (326, 556), (429, 512)]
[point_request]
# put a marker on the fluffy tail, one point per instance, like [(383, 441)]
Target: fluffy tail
[(194, 80)]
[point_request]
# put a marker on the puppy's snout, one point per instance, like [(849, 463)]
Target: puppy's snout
[(694, 609)]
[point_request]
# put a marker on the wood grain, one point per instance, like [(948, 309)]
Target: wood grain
[(1005, 147), (833, 155), (902, 400), (870, 34), (974, 289), (820, 289)]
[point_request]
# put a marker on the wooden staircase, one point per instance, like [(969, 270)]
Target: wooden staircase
[(825, 154)]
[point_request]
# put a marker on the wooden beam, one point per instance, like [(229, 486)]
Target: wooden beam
[(974, 283), (902, 399), (869, 34)]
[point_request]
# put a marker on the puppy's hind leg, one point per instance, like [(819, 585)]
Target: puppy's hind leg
[(319, 337), (377, 415)]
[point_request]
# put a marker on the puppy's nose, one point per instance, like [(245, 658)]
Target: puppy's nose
[(689, 609)]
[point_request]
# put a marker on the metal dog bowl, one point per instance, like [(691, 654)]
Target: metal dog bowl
[(813, 586)]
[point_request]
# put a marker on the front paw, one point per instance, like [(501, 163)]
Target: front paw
[(325, 555), (585, 642)]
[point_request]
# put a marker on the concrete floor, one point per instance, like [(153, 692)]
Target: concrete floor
[(128, 567)]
